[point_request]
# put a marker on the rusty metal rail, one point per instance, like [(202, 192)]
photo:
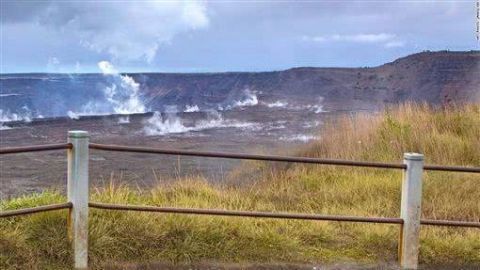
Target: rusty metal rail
[(451, 168), (38, 209), (219, 212), (450, 223), (35, 148), (256, 214), (119, 148), (147, 150)]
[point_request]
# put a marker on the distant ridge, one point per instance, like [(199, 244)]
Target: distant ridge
[(432, 77), (439, 78)]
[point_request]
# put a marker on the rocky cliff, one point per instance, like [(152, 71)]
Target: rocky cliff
[(433, 77)]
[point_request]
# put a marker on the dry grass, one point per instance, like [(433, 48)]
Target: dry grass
[(446, 136)]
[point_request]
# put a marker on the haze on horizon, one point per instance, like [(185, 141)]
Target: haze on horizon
[(203, 36)]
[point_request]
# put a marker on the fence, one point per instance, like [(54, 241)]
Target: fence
[(77, 193)]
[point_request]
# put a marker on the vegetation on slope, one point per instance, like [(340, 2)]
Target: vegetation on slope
[(445, 136)]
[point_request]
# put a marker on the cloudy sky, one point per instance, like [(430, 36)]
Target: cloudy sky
[(208, 36)]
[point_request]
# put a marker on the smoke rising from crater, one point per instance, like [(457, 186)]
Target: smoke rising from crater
[(171, 123), (121, 95)]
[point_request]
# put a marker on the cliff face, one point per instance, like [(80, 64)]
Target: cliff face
[(433, 77), (439, 77)]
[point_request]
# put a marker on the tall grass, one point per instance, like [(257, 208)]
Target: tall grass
[(445, 136)]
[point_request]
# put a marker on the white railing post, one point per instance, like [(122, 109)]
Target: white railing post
[(77, 190), (411, 208)]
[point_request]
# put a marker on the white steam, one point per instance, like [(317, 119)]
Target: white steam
[(124, 120), (277, 104), (193, 108), (299, 138), (6, 116), (249, 100), (25, 115), (316, 108), (2, 127), (73, 115), (122, 96), (157, 125), (171, 123), (9, 117)]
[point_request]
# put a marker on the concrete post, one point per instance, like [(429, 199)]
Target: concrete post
[(411, 208), (77, 190)]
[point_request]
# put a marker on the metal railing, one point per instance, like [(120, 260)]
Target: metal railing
[(43, 208), (38, 209), (36, 148), (77, 192)]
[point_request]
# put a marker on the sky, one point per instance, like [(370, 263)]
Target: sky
[(219, 36)]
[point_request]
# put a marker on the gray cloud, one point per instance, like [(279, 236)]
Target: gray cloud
[(227, 35), (126, 31)]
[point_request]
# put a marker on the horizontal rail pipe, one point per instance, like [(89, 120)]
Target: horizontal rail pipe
[(35, 148), (146, 150), (217, 212), (450, 223), (38, 209), (451, 168)]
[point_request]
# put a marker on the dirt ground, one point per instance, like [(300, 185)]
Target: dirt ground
[(25, 173)]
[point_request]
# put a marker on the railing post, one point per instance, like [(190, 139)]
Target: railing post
[(77, 190), (411, 208)]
